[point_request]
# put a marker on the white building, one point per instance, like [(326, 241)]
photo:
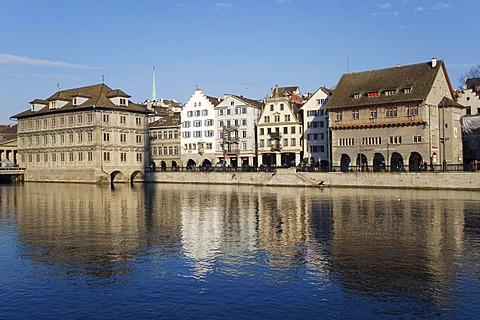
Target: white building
[(236, 136), (315, 121), (198, 139)]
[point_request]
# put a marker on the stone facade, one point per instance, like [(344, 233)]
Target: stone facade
[(396, 119), (87, 134)]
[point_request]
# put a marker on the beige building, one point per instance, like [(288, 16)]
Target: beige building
[(397, 118), (165, 141), (87, 134), (279, 128)]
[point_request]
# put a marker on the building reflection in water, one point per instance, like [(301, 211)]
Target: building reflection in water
[(403, 243)]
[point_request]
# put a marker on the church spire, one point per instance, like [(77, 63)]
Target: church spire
[(154, 90)]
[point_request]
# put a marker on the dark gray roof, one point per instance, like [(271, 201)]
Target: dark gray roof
[(283, 91), (97, 96), (474, 84), (167, 120), (419, 78)]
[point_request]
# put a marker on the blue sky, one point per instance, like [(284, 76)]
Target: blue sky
[(226, 46)]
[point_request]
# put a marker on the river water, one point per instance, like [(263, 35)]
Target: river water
[(75, 251)]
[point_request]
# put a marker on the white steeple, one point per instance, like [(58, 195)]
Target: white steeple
[(154, 90)]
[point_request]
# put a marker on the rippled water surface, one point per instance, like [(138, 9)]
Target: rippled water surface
[(217, 252)]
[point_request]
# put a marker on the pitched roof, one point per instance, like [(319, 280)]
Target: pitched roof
[(252, 102), (419, 78), (167, 120), (97, 96), (447, 102), (214, 100), (474, 84), (283, 91)]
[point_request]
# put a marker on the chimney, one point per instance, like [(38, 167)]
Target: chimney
[(434, 62)]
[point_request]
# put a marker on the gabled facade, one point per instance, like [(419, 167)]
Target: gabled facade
[(397, 119), (236, 118), (87, 134), (198, 132), (279, 129), (315, 121), (470, 96)]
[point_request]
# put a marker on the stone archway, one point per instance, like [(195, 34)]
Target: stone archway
[(117, 176), (362, 162), (345, 163), (153, 165), (136, 176), (174, 165), (396, 162), (415, 162), (191, 164), (163, 166), (378, 162)]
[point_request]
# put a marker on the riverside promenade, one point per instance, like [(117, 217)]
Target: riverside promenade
[(291, 178)]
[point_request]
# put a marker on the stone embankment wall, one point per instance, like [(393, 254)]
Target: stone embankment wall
[(288, 177)]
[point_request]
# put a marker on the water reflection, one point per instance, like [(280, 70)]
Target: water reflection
[(387, 245)]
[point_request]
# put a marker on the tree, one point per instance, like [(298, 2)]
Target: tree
[(474, 72)]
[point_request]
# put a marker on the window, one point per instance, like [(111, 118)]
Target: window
[(391, 112), (277, 118), (346, 142), (197, 123), (139, 157), (106, 118), (70, 120), (356, 96), (287, 117), (106, 156), (262, 131), (53, 122), (355, 114), (209, 122), (89, 117), (285, 142), (282, 106), (80, 137), (285, 130), (395, 139), (123, 137), (373, 113), (266, 119), (45, 157), (138, 121), (45, 139), (339, 116), (123, 119), (244, 134), (262, 143), (123, 156), (90, 136), (272, 107), (412, 110), (417, 139), (70, 157), (106, 136), (292, 130), (186, 124), (139, 138), (372, 94), (123, 101), (54, 157), (80, 118), (90, 156), (80, 156), (293, 142), (390, 92), (408, 90)]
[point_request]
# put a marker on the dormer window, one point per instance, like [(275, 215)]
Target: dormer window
[(74, 101), (123, 101), (390, 92), (407, 90), (372, 94), (52, 105), (356, 96)]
